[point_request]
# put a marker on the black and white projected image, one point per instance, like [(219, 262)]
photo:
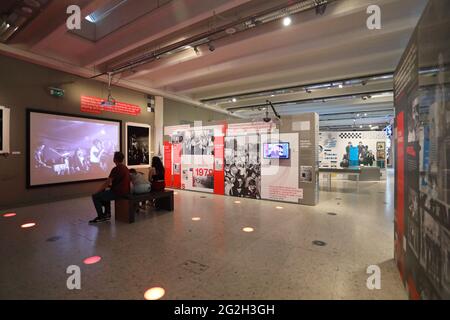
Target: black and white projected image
[(138, 143), (67, 149)]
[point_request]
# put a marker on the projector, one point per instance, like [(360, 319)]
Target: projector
[(108, 103)]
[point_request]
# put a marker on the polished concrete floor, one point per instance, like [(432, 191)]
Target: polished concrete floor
[(211, 258)]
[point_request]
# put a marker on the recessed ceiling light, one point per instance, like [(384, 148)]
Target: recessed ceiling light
[(360, 126), (234, 99), (9, 215), (28, 225), (248, 229), (237, 202), (287, 21), (196, 219), (341, 86), (279, 207), (154, 293)]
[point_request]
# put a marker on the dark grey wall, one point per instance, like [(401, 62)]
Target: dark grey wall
[(24, 85), (308, 146)]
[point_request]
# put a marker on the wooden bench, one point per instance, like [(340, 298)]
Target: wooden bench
[(125, 208)]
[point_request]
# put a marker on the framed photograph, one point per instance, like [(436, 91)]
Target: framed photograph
[(64, 148), (137, 139), (4, 130)]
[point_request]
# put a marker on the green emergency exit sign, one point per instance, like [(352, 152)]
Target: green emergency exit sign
[(56, 92)]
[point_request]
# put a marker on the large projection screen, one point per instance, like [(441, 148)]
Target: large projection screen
[(66, 149)]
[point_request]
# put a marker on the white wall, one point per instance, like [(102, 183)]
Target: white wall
[(280, 177)]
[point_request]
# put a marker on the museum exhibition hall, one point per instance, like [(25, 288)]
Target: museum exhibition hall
[(224, 150)]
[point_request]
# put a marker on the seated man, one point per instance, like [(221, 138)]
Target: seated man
[(119, 184)]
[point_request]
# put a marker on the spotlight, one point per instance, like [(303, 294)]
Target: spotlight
[(154, 293), (92, 260), (9, 215), (320, 9), (287, 21), (234, 99), (28, 225), (196, 51), (211, 47)]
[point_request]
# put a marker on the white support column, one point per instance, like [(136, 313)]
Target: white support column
[(159, 127)]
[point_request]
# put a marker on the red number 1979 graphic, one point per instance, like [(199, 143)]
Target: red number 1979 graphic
[(203, 172)]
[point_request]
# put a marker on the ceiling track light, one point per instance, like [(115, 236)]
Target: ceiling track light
[(308, 88), (242, 24), (287, 21), (196, 51)]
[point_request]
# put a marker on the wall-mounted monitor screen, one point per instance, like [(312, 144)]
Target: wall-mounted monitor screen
[(64, 148), (278, 150)]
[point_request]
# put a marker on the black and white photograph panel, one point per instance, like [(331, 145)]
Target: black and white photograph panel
[(242, 167), (138, 145), (198, 142)]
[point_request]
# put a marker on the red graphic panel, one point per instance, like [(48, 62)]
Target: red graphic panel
[(94, 105), (176, 162), (400, 203), (219, 173), (168, 164)]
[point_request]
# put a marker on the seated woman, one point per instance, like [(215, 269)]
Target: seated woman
[(139, 183), (156, 175)]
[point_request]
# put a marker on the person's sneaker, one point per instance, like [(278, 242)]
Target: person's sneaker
[(98, 219)]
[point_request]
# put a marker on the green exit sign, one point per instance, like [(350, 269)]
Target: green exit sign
[(56, 92)]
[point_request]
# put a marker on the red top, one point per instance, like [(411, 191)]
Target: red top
[(120, 180)]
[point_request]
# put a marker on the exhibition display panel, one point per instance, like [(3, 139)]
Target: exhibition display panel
[(248, 160), (422, 179), (343, 149)]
